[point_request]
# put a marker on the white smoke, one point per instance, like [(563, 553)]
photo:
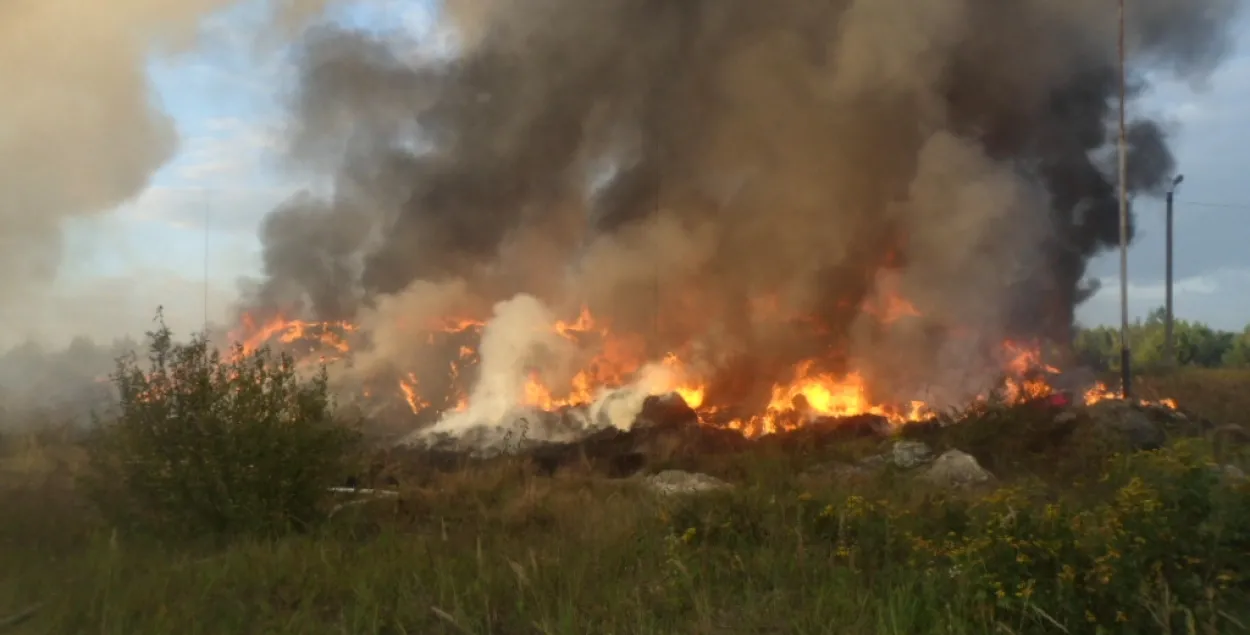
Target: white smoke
[(520, 348)]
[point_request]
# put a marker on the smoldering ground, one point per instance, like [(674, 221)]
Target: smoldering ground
[(676, 166)]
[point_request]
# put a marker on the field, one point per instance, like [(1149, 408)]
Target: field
[(1071, 537)]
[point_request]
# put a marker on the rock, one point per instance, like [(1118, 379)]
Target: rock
[(665, 409), (1136, 427), (956, 469), (679, 482), (1233, 474), (1067, 416), (910, 454)]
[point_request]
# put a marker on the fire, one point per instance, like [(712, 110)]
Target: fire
[(692, 396), (326, 337), (1100, 392), (615, 363), (615, 360), (891, 308), (889, 305), (816, 395), (408, 386), (1026, 359)]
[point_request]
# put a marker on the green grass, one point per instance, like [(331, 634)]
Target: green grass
[(1155, 544), (1221, 395)]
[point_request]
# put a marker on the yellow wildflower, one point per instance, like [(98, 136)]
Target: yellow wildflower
[(1068, 573), (1024, 590)]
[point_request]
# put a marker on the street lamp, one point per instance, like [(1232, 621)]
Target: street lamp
[(1169, 354)]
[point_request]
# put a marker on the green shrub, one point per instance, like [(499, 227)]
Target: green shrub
[(205, 446), (1159, 544)]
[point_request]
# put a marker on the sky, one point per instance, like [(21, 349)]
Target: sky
[(192, 233)]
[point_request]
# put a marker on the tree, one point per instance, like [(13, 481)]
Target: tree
[(1195, 344), (1238, 354), (206, 446)]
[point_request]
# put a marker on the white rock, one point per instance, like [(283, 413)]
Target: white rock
[(679, 482), (1233, 474), (910, 454), (956, 469)]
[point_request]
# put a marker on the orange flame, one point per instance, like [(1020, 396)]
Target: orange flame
[(618, 359)]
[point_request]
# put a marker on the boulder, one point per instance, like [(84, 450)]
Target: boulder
[(910, 454), (1232, 474), (955, 469), (671, 482), (1129, 422)]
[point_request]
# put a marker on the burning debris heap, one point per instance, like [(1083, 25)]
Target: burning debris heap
[(614, 391), (1042, 433)]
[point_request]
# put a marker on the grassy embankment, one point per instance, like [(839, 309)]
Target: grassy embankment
[(1063, 542)]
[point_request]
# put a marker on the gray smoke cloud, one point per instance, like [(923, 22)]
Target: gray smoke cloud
[(693, 170), (80, 134), (79, 130)]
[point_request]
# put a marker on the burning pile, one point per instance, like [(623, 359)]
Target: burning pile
[(616, 374)]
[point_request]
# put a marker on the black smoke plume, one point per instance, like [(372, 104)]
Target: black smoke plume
[(677, 164)]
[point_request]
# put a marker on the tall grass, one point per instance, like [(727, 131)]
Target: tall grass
[(1158, 542)]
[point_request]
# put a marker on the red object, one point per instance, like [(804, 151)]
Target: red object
[(1059, 400)]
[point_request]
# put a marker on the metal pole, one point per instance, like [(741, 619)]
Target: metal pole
[(1169, 356), (656, 349), (207, 217), (1169, 346), (1126, 377)]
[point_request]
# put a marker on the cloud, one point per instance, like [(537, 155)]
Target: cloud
[(1212, 139), (1198, 285), (229, 150), (1218, 298), (222, 210)]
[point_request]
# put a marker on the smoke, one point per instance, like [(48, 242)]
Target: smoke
[(519, 350), (81, 132), (517, 338), (40, 387), (694, 170)]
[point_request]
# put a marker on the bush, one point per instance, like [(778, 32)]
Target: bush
[(1158, 544), (203, 446)]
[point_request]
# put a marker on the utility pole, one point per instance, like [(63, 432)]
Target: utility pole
[(1169, 350), (207, 216), (1126, 377), (655, 317)]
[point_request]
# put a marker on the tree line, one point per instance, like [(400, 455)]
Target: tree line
[(1195, 345)]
